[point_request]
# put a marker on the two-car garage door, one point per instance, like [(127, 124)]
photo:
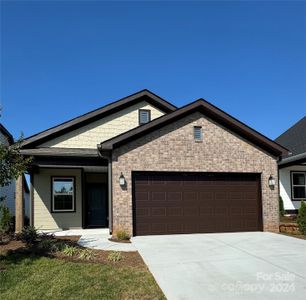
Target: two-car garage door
[(170, 203)]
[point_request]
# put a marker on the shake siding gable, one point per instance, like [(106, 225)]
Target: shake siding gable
[(96, 132)]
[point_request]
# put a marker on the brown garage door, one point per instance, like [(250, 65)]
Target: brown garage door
[(169, 203)]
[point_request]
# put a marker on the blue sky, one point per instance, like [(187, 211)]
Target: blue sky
[(60, 59)]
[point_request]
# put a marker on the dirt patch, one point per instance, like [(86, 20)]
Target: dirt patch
[(129, 259), (12, 245)]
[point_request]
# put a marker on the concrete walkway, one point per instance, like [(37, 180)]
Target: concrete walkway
[(96, 239), (250, 265)]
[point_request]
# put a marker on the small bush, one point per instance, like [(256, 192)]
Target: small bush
[(6, 224), (115, 256), (70, 251), (281, 206), (86, 254), (122, 235), (47, 245), (28, 235), (301, 218)]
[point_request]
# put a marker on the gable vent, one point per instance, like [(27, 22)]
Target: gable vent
[(197, 133)]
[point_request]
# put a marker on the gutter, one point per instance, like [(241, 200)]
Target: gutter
[(296, 159)]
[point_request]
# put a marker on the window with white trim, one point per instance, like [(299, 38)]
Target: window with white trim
[(298, 181), (63, 194)]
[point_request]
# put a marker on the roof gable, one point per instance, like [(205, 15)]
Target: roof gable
[(144, 95), (210, 111), (294, 138), (6, 133)]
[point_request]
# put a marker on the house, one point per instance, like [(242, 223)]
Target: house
[(8, 192), (142, 165), (292, 169)]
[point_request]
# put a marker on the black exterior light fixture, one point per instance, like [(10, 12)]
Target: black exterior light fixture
[(121, 180), (271, 182)]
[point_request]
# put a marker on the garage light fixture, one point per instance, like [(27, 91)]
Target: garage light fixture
[(271, 182), (121, 180)]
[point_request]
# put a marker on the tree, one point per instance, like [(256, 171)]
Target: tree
[(13, 164), (301, 219)]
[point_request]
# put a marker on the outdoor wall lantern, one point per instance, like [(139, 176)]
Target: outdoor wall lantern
[(121, 180), (271, 182)]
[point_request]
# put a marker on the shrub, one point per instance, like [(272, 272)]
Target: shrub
[(70, 251), (86, 254), (28, 235), (122, 235), (115, 256), (301, 218), (281, 206), (47, 245), (6, 224)]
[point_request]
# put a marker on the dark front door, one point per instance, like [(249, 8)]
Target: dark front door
[(195, 203), (97, 208)]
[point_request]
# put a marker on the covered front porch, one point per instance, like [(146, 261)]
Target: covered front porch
[(69, 190)]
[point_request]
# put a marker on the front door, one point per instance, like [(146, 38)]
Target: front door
[(97, 206)]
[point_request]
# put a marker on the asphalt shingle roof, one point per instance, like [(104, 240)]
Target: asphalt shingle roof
[(294, 138)]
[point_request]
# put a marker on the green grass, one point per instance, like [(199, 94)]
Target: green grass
[(34, 277)]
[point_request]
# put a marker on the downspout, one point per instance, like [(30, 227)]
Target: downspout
[(110, 190)]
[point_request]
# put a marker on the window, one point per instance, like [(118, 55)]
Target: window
[(298, 185), (144, 116), (197, 133), (63, 194)]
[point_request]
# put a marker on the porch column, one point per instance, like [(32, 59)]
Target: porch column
[(19, 205)]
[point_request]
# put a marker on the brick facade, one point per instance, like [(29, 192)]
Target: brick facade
[(173, 148)]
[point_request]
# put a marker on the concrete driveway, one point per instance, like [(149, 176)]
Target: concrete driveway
[(250, 265)]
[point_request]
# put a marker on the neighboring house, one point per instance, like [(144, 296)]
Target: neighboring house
[(292, 169), (8, 192), (143, 165)]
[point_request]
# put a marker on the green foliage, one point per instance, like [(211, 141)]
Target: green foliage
[(86, 254), (301, 218), (122, 235), (281, 206), (115, 256), (28, 235), (6, 225), (70, 251), (50, 245), (13, 164)]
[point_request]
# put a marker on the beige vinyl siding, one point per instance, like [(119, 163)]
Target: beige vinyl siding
[(101, 130), (43, 218)]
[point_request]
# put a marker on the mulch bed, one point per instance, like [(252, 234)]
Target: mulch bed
[(119, 241), (298, 236), (129, 259)]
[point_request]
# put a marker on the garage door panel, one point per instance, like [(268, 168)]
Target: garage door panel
[(158, 196), (187, 203)]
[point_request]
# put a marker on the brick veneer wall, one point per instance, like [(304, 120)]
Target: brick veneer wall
[(173, 148)]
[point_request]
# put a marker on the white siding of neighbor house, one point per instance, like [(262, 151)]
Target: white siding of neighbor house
[(285, 186), (101, 130), (8, 191), (44, 219)]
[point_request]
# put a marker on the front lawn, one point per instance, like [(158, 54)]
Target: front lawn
[(25, 275)]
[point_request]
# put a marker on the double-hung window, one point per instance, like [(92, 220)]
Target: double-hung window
[(298, 180), (63, 194)]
